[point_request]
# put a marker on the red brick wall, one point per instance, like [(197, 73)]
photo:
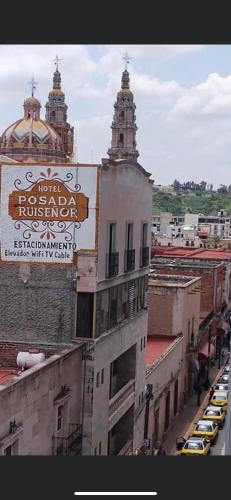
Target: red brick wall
[(206, 276), (160, 312)]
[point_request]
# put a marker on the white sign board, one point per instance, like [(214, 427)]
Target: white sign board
[(47, 212)]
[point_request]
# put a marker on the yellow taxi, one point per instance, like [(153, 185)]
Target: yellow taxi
[(207, 429), (194, 446), (215, 413), (220, 398)]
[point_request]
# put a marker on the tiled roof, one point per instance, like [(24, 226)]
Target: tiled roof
[(156, 346)]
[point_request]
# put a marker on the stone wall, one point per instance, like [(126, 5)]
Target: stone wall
[(37, 303)]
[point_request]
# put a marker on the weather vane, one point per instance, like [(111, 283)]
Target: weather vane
[(57, 60), (33, 84), (127, 59)]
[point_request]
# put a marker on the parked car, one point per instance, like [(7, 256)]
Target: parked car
[(221, 386), (220, 398), (226, 369), (224, 378), (207, 429), (193, 446), (215, 413)]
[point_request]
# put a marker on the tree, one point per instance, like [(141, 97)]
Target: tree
[(216, 239), (176, 185)]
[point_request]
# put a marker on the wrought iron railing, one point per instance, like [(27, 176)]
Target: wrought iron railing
[(144, 256), (70, 444), (112, 264), (129, 260)]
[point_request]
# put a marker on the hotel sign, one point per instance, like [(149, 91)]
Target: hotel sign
[(44, 210)]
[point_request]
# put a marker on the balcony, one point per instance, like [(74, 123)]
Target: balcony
[(144, 256), (129, 260), (112, 264), (121, 396), (69, 445)]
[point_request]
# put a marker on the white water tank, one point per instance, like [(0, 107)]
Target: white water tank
[(29, 359)]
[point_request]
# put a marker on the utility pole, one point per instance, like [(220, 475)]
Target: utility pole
[(149, 397), (228, 416)]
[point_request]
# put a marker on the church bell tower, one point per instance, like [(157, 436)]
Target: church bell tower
[(56, 113), (123, 144)]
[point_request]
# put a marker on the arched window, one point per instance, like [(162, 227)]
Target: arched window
[(122, 115), (121, 140)]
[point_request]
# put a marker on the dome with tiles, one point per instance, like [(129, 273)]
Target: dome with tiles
[(31, 137)]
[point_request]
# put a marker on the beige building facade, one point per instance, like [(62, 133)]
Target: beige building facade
[(40, 406)]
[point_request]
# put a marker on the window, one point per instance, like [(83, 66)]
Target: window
[(141, 344), (129, 242), (189, 330), (121, 139), (144, 236), (8, 450), (112, 237), (102, 376), (95, 451), (100, 447), (139, 399), (193, 321), (97, 379), (144, 341), (60, 418), (85, 305), (113, 306)]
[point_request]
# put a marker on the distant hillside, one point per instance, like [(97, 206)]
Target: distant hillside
[(206, 203)]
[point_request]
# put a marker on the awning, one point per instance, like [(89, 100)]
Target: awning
[(204, 351)]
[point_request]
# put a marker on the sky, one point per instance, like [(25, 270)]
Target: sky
[(182, 95)]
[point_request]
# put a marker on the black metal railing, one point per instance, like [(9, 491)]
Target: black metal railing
[(129, 260), (144, 256), (71, 444), (112, 264)]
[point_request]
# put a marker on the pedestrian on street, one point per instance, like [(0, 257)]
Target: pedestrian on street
[(211, 393)]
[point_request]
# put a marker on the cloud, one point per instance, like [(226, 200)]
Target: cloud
[(209, 99)]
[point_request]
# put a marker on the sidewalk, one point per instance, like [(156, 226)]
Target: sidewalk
[(188, 415)]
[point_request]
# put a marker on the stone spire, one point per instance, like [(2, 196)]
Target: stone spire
[(56, 112), (123, 144)]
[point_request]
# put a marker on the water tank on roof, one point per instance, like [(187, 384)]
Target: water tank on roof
[(29, 359)]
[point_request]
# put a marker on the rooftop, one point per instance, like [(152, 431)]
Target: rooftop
[(9, 370), (191, 253), (156, 346), (169, 280), (7, 374)]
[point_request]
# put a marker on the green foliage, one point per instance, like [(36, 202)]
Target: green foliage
[(179, 203)]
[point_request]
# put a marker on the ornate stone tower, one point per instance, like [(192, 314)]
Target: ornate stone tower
[(123, 144), (56, 113)]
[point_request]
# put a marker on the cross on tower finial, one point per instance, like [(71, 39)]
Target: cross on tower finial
[(33, 84), (127, 59), (57, 60)]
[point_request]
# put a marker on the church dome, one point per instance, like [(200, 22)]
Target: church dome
[(31, 137)]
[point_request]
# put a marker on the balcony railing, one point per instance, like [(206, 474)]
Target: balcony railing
[(144, 256), (69, 445), (121, 396), (112, 264), (129, 260)]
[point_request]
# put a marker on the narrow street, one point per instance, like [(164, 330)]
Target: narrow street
[(185, 422)]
